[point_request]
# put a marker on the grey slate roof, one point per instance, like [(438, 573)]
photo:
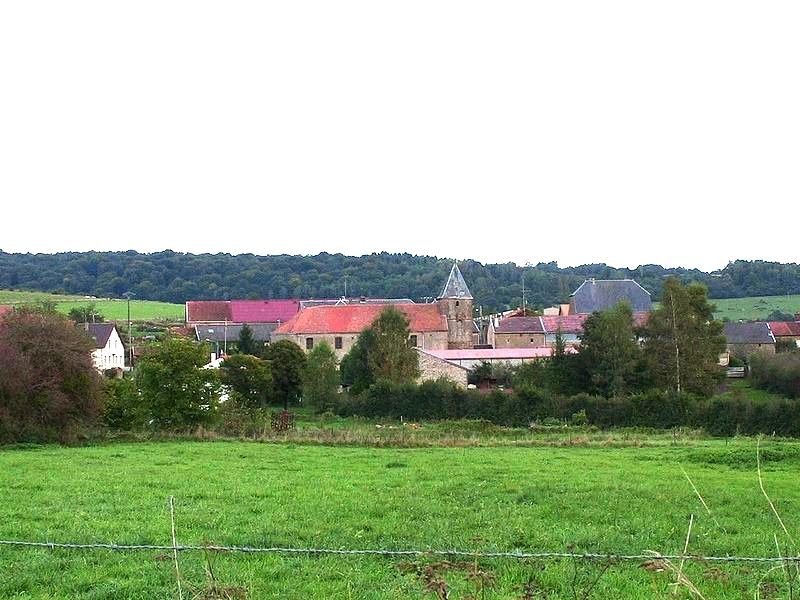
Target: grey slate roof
[(262, 332), (748, 333), (100, 332), (455, 286), (601, 294)]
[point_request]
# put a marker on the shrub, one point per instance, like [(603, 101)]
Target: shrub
[(123, 408), (49, 389), (779, 373)]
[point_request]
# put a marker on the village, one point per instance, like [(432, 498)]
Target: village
[(448, 333)]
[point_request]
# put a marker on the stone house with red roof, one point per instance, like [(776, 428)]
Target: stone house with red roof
[(531, 332), (446, 323), (786, 331)]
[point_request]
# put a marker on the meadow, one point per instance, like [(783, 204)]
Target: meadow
[(111, 309), (755, 308), (461, 485)]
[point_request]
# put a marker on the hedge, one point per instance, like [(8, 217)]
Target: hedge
[(440, 400)]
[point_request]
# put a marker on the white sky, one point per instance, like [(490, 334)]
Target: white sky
[(620, 132)]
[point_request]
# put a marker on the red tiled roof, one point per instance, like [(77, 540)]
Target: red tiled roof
[(263, 311), (201, 311), (355, 318), (779, 328)]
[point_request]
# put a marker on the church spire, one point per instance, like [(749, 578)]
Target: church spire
[(455, 287)]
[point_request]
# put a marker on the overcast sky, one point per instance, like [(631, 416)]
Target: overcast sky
[(620, 132)]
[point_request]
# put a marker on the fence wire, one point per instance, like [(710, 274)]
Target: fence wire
[(594, 556)]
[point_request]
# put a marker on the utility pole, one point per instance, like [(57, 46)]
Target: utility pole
[(128, 296)]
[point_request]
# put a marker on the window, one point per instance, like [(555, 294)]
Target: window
[(309, 343), (456, 302), (337, 343), (412, 341)]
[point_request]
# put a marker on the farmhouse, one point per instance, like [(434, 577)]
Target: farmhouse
[(109, 352), (446, 323), (744, 339), (533, 332)]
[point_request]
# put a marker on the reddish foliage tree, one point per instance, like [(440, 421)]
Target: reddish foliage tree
[(49, 389)]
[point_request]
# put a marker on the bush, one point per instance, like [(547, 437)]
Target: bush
[(435, 400), (49, 389), (123, 408), (779, 373)]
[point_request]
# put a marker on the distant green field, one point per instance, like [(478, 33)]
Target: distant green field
[(756, 307), (111, 309)]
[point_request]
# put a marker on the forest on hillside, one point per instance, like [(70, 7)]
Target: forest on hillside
[(176, 277)]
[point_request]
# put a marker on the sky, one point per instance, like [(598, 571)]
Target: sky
[(579, 132)]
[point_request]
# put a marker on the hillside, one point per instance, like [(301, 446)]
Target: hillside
[(174, 277), (111, 309)]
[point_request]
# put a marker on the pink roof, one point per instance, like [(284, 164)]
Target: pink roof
[(781, 329), (496, 353), (263, 311), (355, 318)]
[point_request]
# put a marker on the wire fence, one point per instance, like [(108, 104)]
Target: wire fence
[(594, 556)]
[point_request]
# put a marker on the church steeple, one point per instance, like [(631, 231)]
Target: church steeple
[(455, 286), (455, 302)]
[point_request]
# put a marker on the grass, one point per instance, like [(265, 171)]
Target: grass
[(587, 495), (755, 308), (111, 309)]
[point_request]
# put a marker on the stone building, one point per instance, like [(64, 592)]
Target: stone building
[(456, 303), (446, 323), (744, 339)]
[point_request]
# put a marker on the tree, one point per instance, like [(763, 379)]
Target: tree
[(176, 390), (249, 379), (288, 362), (321, 378), (247, 343), (390, 356), (354, 368), (85, 314), (49, 389), (683, 341), (609, 353)]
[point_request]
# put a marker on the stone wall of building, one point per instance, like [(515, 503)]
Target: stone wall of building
[(745, 350), (432, 368), (518, 340), (460, 321), (434, 340)]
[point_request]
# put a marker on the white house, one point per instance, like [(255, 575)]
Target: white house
[(109, 353)]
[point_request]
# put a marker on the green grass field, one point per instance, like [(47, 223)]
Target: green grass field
[(546, 498), (752, 309), (111, 309)]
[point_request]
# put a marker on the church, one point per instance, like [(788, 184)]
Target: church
[(446, 324)]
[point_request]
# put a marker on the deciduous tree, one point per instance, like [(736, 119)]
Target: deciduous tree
[(288, 362), (683, 341), (174, 387), (249, 379), (609, 353), (321, 378), (49, 388)]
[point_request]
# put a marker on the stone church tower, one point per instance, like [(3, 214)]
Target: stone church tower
[(455, 303)]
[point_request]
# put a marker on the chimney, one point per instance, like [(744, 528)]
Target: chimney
[(797, 316)]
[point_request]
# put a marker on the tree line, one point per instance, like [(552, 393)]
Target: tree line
[(177, 277)]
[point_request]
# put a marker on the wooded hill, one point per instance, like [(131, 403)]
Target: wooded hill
[(177, 277)]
